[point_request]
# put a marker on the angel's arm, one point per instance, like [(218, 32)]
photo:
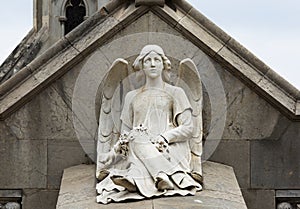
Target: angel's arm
[(127, 113), (182, 118), (124, 127), (183, 131)]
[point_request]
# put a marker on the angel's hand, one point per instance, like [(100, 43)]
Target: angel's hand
[(107, 158), (122, 147), (161, 144), (153, 140)]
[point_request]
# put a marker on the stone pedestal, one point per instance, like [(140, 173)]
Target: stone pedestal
[(221, 190)]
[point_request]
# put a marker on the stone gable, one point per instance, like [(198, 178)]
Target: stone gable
[(250, 113)]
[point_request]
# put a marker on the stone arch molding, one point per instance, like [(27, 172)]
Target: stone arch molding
[(63, 17), (64, 4), (97, 66)]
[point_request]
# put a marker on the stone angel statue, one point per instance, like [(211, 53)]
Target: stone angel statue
[(154, 146)]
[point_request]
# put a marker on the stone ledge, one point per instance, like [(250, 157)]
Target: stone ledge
[(221, 190), (149, 2)]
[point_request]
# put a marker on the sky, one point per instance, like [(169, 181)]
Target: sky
[(268, 28)]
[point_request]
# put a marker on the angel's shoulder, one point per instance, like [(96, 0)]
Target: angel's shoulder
[(174, 89), (131, 94)]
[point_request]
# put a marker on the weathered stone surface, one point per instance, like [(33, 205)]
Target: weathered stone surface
[(5, 132), (259, 198), (225, 183), (106, 29), (236, 154), (194, 26), (239, 64), (41, 74), (147, 29), (242, 62), (152, 23), (23, 164), (10, 83), (37, 199), (149, 2), (95, 34), (208, 42), (209, 200), (257, 78), (221, 191), (248, 115), (62, 154), (7, 104), (58, 66), (54, 10), (77, 188), (65, 85), (298, 108), (45, 117), (86, 99), (205, 23), (274, 92), (276, 165), (169, 15)]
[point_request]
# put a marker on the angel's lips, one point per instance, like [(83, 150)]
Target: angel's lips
[(154, 70)]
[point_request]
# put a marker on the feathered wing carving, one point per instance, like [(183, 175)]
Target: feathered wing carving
[(109, 120), (189, 79)]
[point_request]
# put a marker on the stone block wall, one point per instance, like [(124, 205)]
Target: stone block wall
[(260, 143), (37, 143)]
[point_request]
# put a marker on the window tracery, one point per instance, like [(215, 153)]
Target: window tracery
[(75, 13)]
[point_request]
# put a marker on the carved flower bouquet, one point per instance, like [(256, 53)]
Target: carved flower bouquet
[(138, 134)]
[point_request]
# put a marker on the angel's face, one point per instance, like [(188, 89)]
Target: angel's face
[(153, 65)]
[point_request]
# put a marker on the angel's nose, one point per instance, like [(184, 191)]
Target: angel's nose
[(152, 62)]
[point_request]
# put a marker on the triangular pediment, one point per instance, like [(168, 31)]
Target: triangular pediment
[(113, 18)]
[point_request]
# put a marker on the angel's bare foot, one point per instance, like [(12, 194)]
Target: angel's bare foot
[(127, 183), (163, 182), (102, 175)]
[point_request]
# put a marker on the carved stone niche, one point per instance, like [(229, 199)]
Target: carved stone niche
[(288, 199), (10, 199), (150, 2)]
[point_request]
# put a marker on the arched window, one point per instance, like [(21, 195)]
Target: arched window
[(75, 11)]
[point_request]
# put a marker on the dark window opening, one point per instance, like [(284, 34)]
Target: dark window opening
[(75, 13)]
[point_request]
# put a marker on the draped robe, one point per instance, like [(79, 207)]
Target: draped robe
[(165, 112)]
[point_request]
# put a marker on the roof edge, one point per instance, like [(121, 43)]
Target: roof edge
[(239, 49), (18, 78), (11, 60), (66, 52), (229, 53)]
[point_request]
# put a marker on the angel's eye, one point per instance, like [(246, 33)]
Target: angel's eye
[(157, 60), (147, 61)]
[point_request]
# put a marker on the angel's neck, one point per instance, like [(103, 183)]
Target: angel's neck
[(154, 83)]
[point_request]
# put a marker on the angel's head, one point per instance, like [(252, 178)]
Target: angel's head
[(146, 51)]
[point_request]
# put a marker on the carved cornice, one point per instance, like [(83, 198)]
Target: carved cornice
[(150, 2)]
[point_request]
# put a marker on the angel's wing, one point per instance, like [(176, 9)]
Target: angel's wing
[(109, 119), (189, 79)]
